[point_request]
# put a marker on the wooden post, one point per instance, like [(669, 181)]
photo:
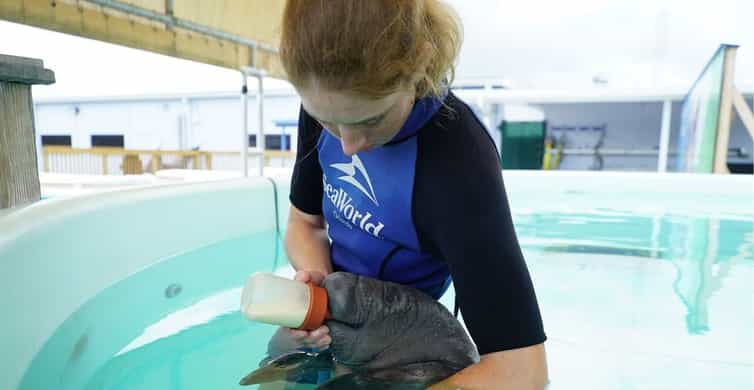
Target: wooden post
[(19, 173), (208, 160), (726, 111), (744, 112), (46, 157)]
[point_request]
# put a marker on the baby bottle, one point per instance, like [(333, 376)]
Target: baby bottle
[(280, 301)]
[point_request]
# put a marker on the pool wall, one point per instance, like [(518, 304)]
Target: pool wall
[(57, 254)]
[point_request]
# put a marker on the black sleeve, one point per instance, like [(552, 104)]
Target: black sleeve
[(306, 180), (462, 215)]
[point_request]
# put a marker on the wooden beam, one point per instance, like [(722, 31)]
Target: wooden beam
[(744, 112), (259, 19), (726, 111), (19, 173), (90, 21)]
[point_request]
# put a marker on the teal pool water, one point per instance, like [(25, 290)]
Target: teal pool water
[(632, 302), (629, 302), (175, 325)]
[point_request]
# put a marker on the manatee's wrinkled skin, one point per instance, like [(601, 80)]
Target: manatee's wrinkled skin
[(388, 335), (379, 325)]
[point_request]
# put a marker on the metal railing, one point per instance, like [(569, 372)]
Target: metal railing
[(119, 161)]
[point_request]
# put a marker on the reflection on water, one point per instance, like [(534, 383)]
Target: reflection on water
[(600, 250), (702, 250), (705, 265), (644, 301)]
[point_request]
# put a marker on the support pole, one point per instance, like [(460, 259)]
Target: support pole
[(19, 174), (662, 158), (244, 125), (260, 148), (261, 141)]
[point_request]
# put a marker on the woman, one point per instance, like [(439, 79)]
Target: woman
[(396, 178)]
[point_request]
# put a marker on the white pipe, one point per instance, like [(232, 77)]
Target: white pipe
[(610, 152), (259, 74), (533, 96), (486, 108), (260, 130), (662, 160), (245, 124), (185, 140)]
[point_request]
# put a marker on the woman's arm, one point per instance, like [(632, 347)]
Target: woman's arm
[(306, 242), (519, 369), (477, 238)]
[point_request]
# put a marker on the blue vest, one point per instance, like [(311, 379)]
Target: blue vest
[(367, 205)]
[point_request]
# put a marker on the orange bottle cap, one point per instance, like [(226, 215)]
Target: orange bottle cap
[(317, 312)]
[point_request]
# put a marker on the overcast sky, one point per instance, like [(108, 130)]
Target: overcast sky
[(544, 44)]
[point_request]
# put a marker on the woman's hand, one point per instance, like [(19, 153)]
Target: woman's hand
[(288, 339), (315, 277), (308, 249), (317, 338)]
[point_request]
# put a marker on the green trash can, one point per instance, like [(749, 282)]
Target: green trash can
[(522, 144)]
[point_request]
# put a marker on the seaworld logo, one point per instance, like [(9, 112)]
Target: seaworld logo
[(343, 202)]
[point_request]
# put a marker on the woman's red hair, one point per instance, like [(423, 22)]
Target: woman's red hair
[(370, 47)]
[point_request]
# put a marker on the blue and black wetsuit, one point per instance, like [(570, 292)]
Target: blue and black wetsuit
[(426, 208)]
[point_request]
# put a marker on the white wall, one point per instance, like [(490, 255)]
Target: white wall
[(144, 125), (212, 123)]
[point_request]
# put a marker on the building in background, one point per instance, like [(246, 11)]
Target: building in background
[(594, 131)]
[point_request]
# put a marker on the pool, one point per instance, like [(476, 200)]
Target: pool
[(644, 282)]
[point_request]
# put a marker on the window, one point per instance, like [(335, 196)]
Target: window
[(277, 141), (56, 140), (115, 141), (272, 141)]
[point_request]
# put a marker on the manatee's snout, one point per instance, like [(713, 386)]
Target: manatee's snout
[(354, 304), (345, 302)]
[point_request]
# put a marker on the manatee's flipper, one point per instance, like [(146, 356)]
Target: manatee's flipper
[(411, 377), (291, 367)]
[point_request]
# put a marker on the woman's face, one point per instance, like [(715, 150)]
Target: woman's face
[(361, 123)]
